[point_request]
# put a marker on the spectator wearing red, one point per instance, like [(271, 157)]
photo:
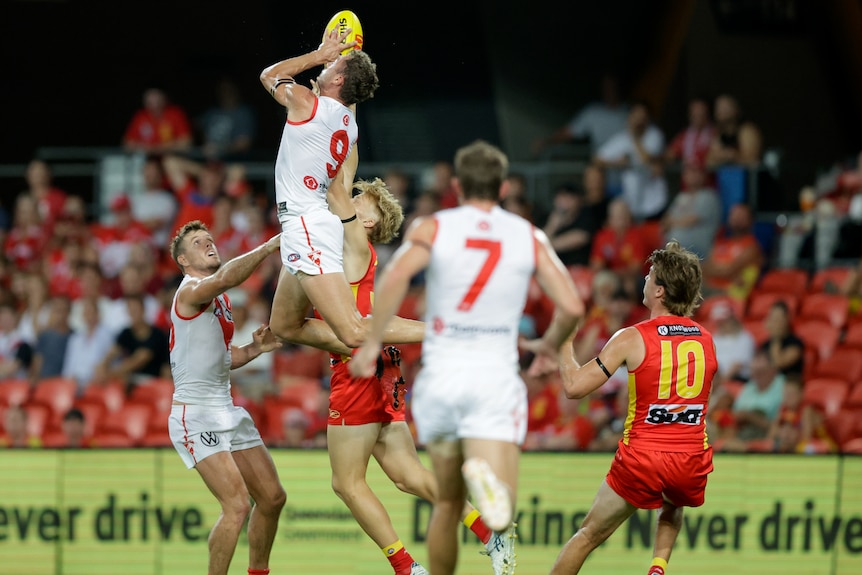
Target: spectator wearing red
[(27, 238), (196, 186), (734, 263), (158, 126), (618, 246), (49, 198), (691, 145), (114, 241)]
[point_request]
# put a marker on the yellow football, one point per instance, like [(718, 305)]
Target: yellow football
[(342, 21)]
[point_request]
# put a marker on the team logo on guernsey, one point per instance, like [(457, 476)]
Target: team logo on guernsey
[(677, 329), (310, 182), (219, 312), (209, 438), (345, 120), (484, 226), (314, 256), (439, 325), (690, 414)]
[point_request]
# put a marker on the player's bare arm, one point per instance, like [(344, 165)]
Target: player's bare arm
[(279, 79), (625, 347), (200, 292), (263, 341)]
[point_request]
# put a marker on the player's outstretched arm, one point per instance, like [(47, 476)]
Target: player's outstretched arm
[(581, 380), (231, 274)]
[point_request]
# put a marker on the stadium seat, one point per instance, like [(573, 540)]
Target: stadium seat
[(784, 280), (131, 419), (830, 307), (829, 280), (827, 395), (112, 439), (38, 419), (845, 425), (583, 278), (272, 427), (302, 361), (756, 329), (112, 394), (92, 414), (157, 392), (853, 446), (156, 438), (54, 439), (58, 394), (844, 363), (853, 336), (304, 392), (818, 335), (759, 303), (854, 398), (703, 312), (652, 235), (14, 392)]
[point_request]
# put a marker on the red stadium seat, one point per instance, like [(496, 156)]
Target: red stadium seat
[(274, 409), (156, 438), (157, 392), (38, 419), (14, 392), (757, 330), (830, 307), (304, 392), (853, 446), (302, 361), (827, 395), (844, 363), (844, 425), (818, 335), (759, 303), (854, 398), (702, 313), (830, 280), (583, 278), (112, 394), (112, 439), (58, 394), (132, 419), (853, 336), (785, 280)]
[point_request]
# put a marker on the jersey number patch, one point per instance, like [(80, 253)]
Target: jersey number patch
[(339, 147), (494, 249), (689, 363)]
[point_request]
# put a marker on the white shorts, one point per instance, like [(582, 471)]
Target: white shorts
[(198, 431), (454, 401), (313, 243)]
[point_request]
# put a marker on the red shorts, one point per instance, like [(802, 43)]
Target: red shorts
[(367, 400), (645, 478)]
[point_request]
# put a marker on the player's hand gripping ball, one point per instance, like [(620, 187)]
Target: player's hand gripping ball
[(342, 21)]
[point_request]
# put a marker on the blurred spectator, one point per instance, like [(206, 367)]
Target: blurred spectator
[(158, 127), (694, 215), (736, 140), (595, 197), (618, 246), (736, 258), (196, 185), (49, 352), (15, 432), (785, 350), (570, 227), (295, 424), (438, 179), (426, 204), (691, 145), (50, 199), (734, 345), (88, 345), (815, 233), (32, 291), (92, 288), (595, 123), (799, 427), (27, 237), (139, 352), (155, 207), (227, 128), (73, 428), (637, 152), (255, 379), (115, 241), (16, 354), (132, 284), (603, 322), (758, 402)]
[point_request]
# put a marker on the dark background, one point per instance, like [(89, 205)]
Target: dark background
[(75, 70)]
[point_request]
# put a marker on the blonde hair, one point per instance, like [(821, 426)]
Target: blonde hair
[(391, 213)]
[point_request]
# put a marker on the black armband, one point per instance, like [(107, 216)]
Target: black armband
[(279, 83), (348, 220), (601, 365)]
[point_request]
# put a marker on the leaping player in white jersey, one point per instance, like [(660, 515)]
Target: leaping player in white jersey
[(469, 401), (209, 432), (318, 135)]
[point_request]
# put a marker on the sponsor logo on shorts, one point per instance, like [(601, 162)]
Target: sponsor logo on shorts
[(282, 208), (310, 182), (677, 329), (334, 414), (209, 438), (690, 414), (293, 257), (345, 119)]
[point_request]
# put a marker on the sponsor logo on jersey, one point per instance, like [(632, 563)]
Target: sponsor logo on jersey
[(666, 330), (690, 414), (310, 182), (209, 438), (293, 257)]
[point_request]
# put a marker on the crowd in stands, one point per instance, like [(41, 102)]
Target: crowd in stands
[(85, 297)]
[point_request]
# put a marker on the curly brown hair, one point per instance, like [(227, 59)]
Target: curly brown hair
[(391, 213), (678, 271), (360, 78), (177, 247)]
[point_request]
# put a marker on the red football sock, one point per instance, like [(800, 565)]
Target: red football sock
[(477, 526), (258, 571), (399, 558)]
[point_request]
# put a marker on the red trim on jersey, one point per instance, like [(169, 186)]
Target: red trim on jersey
[(181, 316), (535, 250), (313, 113), (436, 227)]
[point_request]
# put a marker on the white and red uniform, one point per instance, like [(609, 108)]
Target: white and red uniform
[(476, 287), (309, 156), (207, 421)]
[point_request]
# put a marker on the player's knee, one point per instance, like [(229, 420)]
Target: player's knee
[(236, 510), (275, 502), (283, 329), (351, 334)]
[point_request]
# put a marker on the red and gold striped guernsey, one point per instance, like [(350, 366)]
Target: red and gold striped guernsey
[(669, 391)]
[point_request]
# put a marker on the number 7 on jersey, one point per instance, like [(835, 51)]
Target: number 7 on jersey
[(493, 248)]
